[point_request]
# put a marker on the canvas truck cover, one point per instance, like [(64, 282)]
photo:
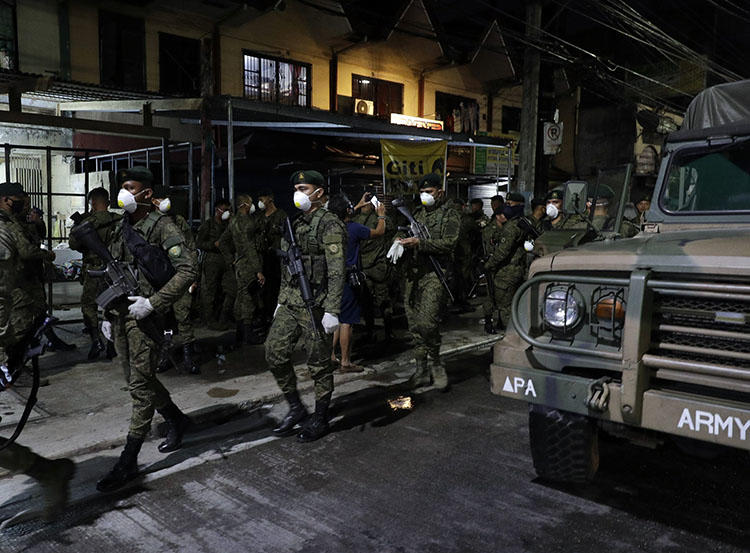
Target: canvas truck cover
[(719, 105)]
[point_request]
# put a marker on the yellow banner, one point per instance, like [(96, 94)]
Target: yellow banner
[(404, 163)]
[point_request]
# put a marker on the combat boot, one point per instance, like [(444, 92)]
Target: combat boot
[(316, 426), (421, 376), (163, 361), (177, 423), (297, 413), (111, 353), (54, 477), (439, 376), (97, 346), (125, 469), (188, 363)]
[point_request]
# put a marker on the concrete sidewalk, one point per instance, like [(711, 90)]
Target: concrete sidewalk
[(84, 411)]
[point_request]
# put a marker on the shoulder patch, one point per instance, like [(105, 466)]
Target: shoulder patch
[(175, 251), (333, 248)]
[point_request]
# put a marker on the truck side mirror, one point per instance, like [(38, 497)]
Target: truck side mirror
[(576, 194)]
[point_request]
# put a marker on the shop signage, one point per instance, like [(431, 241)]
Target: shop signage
[(420, 122), (404, 163)]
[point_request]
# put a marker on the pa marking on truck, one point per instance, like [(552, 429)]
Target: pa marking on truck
[(714, 424), (519, 385)]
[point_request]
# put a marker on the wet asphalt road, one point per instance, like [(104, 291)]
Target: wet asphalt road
[(452, 475)]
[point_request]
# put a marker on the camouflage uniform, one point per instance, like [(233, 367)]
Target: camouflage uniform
[(239, 245), (272, 226), (182, 306), (217, 278), (132, 340), (16, 308), (424, 295), (322, 238), (377, 271), (508, 264), (490, 239), (463, 256), (104, 223)]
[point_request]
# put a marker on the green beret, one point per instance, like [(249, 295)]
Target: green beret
[(644, 196), (307, 177), (8, 189), (431, 180), (604, 192), (140, 174), (555, 194), (515, 197)]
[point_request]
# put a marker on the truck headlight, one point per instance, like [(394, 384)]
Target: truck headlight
[(563, 307)]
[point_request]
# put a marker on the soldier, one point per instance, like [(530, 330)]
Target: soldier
[(273, 219), (497, 202), (16, 322), (239, 245), (183, 306), (321, 237), (508, 259), (104, 221), (376, 293), (462, 274), (423, 292), (163, 250), (217, 278), (557, 216), (490, 239), (36, 222)]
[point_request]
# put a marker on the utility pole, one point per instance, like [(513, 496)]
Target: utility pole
[(530, 103)]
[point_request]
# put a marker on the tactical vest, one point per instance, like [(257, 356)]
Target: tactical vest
[(313, 251), (152, 261)]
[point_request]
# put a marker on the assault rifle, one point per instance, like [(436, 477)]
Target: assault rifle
[(28, 350), (418, 230), (121, 278), (292, 258)]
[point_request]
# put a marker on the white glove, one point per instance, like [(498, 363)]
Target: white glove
[(107, 330), (276, 310), (529, 245), (330, 322), (140, 308), (6, 379), (396, 251)]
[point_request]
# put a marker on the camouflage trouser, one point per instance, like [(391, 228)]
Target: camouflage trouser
[(423, 300), (215, 283), (289, 324), (507, 280), (17, 458), (246, 302), (270, 290), (378, 281), (139, 353), (88, 301), (181, 310), (18, 321), (462, 277)]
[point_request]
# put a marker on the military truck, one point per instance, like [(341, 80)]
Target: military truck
[(647, 338)]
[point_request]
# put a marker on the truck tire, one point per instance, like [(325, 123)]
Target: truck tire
[(564, 446)]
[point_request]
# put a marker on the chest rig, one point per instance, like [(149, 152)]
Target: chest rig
[(313, 250)]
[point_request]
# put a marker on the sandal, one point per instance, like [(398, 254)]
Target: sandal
[(352, 368)]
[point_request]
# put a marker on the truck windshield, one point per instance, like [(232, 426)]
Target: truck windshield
[(709, 181)]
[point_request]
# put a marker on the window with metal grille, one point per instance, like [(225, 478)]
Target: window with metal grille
[(277, 80), (8, 36), (388, 96)]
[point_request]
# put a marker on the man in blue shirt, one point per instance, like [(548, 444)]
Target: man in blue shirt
[(350, 308)]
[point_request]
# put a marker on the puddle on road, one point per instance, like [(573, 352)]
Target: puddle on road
[(222, 392)]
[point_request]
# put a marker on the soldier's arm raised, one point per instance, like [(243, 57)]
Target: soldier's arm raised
[(446, 242)]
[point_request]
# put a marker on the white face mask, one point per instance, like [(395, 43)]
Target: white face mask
[(428, 200), (261, 205), (252, 209), (225, 216), (552, 211), (127, 201), (302, 201), (165, 205)]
